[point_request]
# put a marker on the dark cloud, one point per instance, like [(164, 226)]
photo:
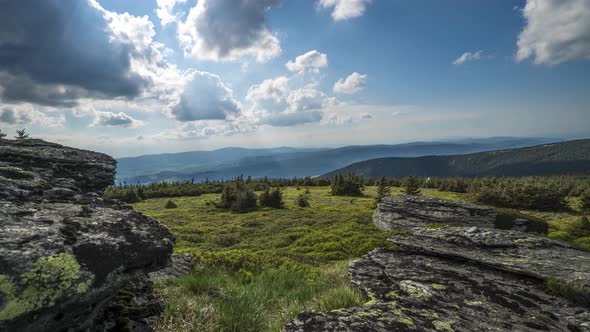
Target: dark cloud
[(54, 52), (227, 29), (7, 116)]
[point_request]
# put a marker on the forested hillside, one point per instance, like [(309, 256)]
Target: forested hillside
[(572, 157)]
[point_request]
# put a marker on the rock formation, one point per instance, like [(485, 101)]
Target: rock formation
[(405, 211), (462, 279), (65, 253)]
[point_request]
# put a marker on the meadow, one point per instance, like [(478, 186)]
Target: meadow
[(257, 270)]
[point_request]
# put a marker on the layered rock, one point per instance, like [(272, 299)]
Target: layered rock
[(463, 279), (406, 212), (64, 252)]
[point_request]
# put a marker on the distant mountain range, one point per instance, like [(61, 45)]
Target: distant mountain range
[(292, 162), (571, 157)]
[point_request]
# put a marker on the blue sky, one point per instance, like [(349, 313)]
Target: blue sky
[(135, 77)]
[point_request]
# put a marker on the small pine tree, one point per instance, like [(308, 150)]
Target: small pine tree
[(22, 134), (171, 205), (2, 135), (585, 200), (412, 186), (303, 199), (382, 190), (272, 198)]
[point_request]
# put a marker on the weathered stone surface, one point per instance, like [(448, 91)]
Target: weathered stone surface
[(511, 251), (415, 292), (463, 279), (406, 212), (178, 266), (64, 252)]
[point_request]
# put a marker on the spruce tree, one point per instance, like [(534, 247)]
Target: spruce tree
[(382, 190), (22, 134), (412, 186)]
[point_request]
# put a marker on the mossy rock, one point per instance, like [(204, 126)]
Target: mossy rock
[(514, 220)]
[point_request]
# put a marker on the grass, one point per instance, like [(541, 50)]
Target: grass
[(258, 270)]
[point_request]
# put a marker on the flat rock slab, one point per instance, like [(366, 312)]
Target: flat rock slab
[(406, 212), (415, 292), (512, 251)]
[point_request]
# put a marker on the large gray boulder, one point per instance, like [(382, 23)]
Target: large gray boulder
[(65, 253), (406, 212), (463, 279)]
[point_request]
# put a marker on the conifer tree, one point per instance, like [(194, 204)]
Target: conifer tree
[(382, 190), (412, 186), (22, 134)]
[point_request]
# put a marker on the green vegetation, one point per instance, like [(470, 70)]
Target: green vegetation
[(412, 186), (303, 199), (237, 197), (261, 268), (578, 293), (382, 190), (347, 185), (506, 219), (585, 200), (272, 198), (171, 205)]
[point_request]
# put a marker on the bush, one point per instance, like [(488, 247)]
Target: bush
[(585, 200), (272, 198), (349, 185), (526, 197), (238, 197), (171, 205), (303, 199)]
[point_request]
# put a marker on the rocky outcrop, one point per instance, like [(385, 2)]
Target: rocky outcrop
[(406, 212), (465, 279), (65, 253)]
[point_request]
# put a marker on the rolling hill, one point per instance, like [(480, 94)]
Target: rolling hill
[(571, 157), (290, 162)]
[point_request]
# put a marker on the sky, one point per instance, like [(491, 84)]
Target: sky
[(133, 77)]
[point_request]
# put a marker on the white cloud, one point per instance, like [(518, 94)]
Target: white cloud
[(274, 102), (345, 9), (110, 119), (366, 116), (25, 114), (556, 31), (352, 84), (226, 30), (166, 12), (203, 97), (468, 56), (311, 61)]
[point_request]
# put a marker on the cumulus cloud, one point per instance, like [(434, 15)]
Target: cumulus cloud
[(352, 84), (311, 61), (27, 115), (345, 9), (204, 97), (225, 30), (274, 102), (468, 56), (55, 52), (556, 31), (166, 10), (110, 119)]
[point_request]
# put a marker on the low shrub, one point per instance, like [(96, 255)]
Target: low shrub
[(171, 205)]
